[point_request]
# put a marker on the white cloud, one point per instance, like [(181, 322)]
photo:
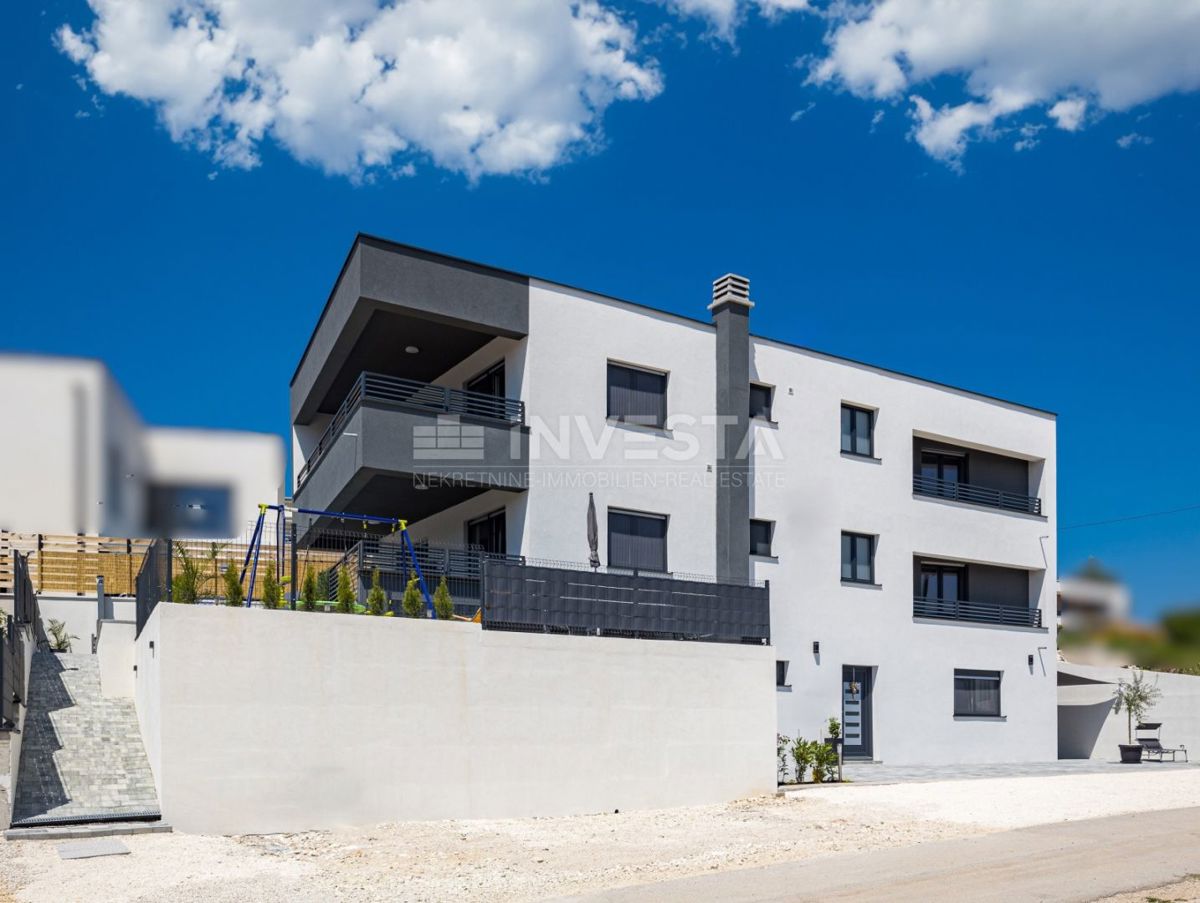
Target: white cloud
[(477, 86), (804, 110), (1127, 141), (724, 16), (1010, 56), (1068, 113)]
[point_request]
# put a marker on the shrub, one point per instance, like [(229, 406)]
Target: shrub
[(233, 586), (189, 578), (345, 591), (803, 752), (413, 603), (271, 592), (835, 728), (376, 600), (783, 744), (60, 640), (308, 590), (825, 760), (443, 605)]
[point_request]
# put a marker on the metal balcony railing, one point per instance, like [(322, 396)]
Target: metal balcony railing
[(979, 612), (411, 394), (976, 495)]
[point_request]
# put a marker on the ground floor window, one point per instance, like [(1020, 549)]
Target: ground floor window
[(977, 693), (637, 541), (781, 670)]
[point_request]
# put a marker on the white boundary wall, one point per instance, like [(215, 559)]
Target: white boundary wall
[(1088, 728), (263, 721)]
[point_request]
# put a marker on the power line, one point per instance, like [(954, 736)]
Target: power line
[(1119, 520)]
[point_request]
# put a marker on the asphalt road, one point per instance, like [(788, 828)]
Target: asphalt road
[(1068, 861)]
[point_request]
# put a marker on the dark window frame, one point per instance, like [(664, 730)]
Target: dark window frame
[(781, 672), (768, 408), (940, 460), (485, 373), (855, 410), (941, 569), (646, 515), (970, 674), (853, 560), (501, 513), (660, 418), (770, 525)]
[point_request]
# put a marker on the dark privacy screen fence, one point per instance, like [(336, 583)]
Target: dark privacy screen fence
[(533, 598)]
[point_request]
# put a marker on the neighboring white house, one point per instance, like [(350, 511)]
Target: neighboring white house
[(1087, 602), (906, 527), (79, 459)]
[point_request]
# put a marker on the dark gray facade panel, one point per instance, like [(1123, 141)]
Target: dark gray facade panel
[(998, 585), (733, 475), (382, 276)]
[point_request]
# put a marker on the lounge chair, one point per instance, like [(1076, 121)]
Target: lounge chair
[(1152, 748)]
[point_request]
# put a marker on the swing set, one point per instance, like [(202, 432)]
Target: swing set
[(256, 539)]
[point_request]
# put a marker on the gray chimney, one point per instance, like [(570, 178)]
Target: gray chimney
[(731, 316)]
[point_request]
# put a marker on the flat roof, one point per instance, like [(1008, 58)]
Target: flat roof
[(450, 258)]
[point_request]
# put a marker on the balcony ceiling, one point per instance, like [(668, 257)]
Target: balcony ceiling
[(380, 349)]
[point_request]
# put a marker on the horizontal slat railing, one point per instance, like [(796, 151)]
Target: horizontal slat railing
[(412, 394), (976, 495), (979, 612)]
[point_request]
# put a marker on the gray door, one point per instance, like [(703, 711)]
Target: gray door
[(856, 712)]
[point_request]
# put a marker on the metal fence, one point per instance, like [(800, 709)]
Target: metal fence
[(12, 645), (153, 580), (552, 599), (979, 612), (976, 495)]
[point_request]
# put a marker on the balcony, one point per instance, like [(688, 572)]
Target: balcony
[(410, 394), (977, 612), (406, 448), (975, 495)]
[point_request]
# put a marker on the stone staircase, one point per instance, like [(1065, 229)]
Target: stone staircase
[(82, 758)]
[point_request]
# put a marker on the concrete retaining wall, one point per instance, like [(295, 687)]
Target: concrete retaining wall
[(115, 651), (1088, 728), (262, 721), (78, 613)]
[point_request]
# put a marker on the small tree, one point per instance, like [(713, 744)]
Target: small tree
[(233, 586), (412, 603), (308, 590), (376, 600), (803, 753), (834, 727), (189, 578), (1137, 698), (443, 605), (345, 591), (271, 594)]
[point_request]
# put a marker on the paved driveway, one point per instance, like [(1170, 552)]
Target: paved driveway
[(1071, 861), (874, 773)]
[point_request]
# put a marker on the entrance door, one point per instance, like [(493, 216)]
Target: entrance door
[(856, 712), (489, 533)]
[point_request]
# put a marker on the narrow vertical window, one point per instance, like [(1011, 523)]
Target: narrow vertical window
[(761, 532), (858, 558), (858, 431)]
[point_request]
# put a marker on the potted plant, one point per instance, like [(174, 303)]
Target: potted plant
[(1137, 698)]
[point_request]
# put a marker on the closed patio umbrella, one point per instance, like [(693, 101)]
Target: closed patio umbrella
[(593, 532)]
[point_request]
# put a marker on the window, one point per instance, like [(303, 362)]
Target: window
[(761, 532), (858, 431), (637, 541), (858, 558), (977, 693), (637, 396), (760, 401), (781, 670), (489, 533), (945, 582), (950, 468), (489, 382)]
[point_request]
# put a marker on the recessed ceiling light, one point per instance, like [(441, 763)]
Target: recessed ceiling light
[(411, 349)]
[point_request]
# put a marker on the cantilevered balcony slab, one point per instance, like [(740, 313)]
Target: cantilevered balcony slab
[(399, 448)]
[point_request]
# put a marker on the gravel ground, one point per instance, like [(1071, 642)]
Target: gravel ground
[(540, 858), (510, 859)]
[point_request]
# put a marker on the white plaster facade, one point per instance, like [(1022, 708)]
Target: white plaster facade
[(812, 492), (80, 459)]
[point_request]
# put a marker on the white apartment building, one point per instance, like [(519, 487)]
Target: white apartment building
[(80, 460), (906, 528)]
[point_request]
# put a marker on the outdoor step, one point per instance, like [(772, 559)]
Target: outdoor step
[(82, 758), (103, 829)]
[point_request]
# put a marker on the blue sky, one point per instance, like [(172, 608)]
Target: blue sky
[(1063, 275)]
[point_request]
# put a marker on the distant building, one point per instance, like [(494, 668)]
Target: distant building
[(1089, 600), (75, 457)]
